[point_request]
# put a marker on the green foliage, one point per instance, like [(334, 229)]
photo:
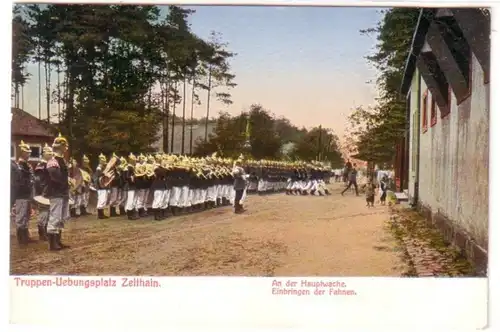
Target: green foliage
[(374, 132), (319, 144), (267, 135), (113, 59)]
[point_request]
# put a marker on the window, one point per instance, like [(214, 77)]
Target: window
[(424, 111), (36, 151), (13, 151), (433, 111)]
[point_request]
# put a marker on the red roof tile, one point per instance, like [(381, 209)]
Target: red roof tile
[(23, 123)]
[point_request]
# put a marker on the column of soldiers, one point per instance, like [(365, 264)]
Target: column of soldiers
[(140, 186)]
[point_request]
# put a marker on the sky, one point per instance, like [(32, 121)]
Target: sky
[(304, 63)]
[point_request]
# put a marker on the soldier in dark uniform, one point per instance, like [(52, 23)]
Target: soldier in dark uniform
[(122, 190), (114, 191), (58, 193), (102, 192), (41, 182), (23, 194), (130, 188), (86, 190), (158, 187)]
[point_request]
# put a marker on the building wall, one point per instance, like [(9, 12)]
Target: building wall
[(454, 156), (414, 130)]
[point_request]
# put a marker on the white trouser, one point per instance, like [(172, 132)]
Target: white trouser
[(102, 198)]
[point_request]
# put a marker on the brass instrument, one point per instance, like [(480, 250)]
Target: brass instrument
[(150, 170), (85, 176), (87, 179), (109, 174), (140, 170)]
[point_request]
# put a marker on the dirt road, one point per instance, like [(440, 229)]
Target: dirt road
[(279, 235)]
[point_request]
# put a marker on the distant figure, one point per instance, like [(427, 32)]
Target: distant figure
[(240, 184), (352, 178), (346, 171), (383, 190), (370, 193)]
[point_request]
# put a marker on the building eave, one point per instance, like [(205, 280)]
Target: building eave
[(418, 41)]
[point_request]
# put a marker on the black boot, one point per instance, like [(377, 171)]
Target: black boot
[(122, 211), (157, 214), (59, 243), (53, 243), (20, 237), (132, 215), (142, 213), (327, 192), (42, 235), (101, 215), (72, 213), (163, 214), (173, 210), (83, 211), (312, 192), (112, 212)]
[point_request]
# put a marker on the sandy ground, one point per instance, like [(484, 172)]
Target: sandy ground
[(279, 235)]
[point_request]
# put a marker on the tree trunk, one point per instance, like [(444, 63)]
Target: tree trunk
[(208, 102), (167, 112), (183, 113), (22, 97), (173, 119), (39, 89), (47, 87), (191, 127), (59, 92)]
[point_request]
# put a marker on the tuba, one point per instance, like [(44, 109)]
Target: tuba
[(109, 174), (140, 170), (150, 170)]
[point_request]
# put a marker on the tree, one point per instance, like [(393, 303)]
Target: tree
[(216, 65), (375, 132), (111, 58), (259, 126), (22, 48), (319, 144)]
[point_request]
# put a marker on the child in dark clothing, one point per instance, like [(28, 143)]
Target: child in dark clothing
[(370, 194), (383, 189)]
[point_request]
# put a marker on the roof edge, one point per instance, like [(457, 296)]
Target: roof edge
[(425, 17)]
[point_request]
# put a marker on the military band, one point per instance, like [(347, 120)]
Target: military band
[(145, 185)]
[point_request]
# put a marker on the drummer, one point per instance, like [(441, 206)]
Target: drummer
[(24, 194), (41, 180), (58, 193)]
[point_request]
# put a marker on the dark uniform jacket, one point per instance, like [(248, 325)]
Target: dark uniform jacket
[(57, 186)]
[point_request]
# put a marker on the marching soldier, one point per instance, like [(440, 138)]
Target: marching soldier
[(24, 193), (141, 186), (114, 191), (131, 188), (87, 178), (102, 192), (158, 187), (58, 193), (122, 186), (76, 187), (41, 182)]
